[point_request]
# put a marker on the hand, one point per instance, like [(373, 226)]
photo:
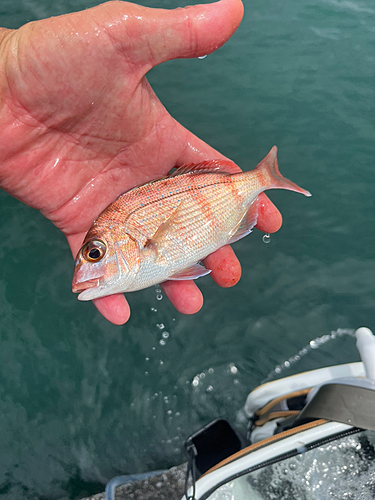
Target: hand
[(80, 124)]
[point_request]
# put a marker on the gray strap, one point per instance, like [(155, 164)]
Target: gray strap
[(342, 403)]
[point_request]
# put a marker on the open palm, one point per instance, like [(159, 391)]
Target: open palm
[(80, 123)]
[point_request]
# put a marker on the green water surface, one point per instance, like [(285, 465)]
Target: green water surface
[(82, 400)]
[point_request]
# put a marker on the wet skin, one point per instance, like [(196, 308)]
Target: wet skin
[(80, 124)]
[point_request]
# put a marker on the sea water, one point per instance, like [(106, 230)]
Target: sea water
[(82, 400)]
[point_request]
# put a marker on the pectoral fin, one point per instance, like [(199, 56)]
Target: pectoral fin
[(246, 224), (163, 231), (190, 273)]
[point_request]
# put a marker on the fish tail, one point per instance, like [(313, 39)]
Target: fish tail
[(270, 170)]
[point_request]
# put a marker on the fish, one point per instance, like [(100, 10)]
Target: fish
[(163, 229)]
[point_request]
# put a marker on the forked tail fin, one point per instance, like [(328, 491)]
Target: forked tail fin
[(270, 169)]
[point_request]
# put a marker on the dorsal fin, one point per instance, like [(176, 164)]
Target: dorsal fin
[(207, 167)]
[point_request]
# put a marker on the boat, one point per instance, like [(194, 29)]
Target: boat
[(311, 436)]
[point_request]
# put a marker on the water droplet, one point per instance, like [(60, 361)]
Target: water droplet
[(169, 412), (209, 388), (162, 342), (266, 238), (165, 335), (233, 368), (159, 296), (153, 309), (160, 326), (202, 57)]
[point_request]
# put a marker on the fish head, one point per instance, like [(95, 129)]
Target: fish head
[(104, 265)]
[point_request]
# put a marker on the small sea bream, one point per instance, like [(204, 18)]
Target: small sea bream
[(163, 229)]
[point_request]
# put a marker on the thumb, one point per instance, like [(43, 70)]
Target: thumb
[(162, 34), (195, 30)]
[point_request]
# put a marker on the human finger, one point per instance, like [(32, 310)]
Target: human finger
[(225, 267), (114, 308), (184, 295), (193, 31), (269, 218)]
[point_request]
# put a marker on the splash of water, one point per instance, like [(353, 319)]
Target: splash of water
[(312, 345)]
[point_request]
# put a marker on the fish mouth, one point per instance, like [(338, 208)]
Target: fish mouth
[(78, 287)]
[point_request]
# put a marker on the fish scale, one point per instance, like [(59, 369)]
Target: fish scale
[(163, 229)]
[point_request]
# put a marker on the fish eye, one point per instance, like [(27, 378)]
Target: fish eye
[(94, 250), (94, 253)]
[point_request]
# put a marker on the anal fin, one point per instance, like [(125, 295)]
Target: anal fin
[(190, 273), (246, 224)]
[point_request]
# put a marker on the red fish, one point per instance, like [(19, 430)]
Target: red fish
[(162, 230)]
